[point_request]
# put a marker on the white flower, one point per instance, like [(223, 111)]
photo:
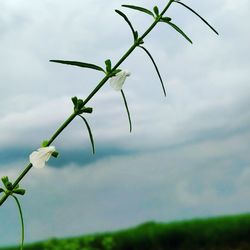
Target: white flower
[(39, 157), (117, 81)]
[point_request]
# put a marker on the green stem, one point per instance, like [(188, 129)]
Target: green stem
[(64, 125), (21, 219), (29, 166), (89, 97)]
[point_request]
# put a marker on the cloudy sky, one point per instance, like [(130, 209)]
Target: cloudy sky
[(188, 155)]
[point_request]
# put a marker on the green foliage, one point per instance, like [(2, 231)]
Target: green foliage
[(156, 68), (127, 109), (135, 33), (90, 133), (177, 29), (222, 233), (193, 11), (21, 218), (139, 9), (156, 11), (79, 64), (108, 243)]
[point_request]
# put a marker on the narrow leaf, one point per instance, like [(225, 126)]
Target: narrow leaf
[(74, 100), (21, 219), (79, 64), (90, 134), (127, 109), (88, 110), (19, 191), (213, 29), (166, 19), (128, 22), (136, 35), (156, 11), (139, 9), (108, 65), (156, 68), (5, 180), (179, 31)]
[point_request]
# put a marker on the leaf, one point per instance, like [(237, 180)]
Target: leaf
[(74, 100), (79, 64), (80, 104), (115, 72), (21, 219), (198, 16), (19, 191), (156, 11), (90, 134), (5, 180), (88, 110), (156, 68), (108, 65), (127, 109), (135, 34), (179, 31), (7, 183), (165, 19), (139, 9)]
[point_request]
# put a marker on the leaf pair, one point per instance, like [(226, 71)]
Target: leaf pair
[(79, 107), (109, 72), (135, 34), (167, 20), (156, 14), (16, 190), (9, 187)]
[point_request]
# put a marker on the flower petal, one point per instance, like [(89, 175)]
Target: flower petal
[(39, 157), (117, 81)]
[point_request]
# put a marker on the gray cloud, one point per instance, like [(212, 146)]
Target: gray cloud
[(202, 179)]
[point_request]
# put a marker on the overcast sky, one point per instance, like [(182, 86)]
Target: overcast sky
[(188, 155)]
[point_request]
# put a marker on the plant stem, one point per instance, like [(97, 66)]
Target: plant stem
[(89, 97), (21, 220)]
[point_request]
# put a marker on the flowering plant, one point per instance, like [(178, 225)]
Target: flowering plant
[(116, 78)]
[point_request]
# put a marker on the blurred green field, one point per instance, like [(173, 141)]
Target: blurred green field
[(220, 233)]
